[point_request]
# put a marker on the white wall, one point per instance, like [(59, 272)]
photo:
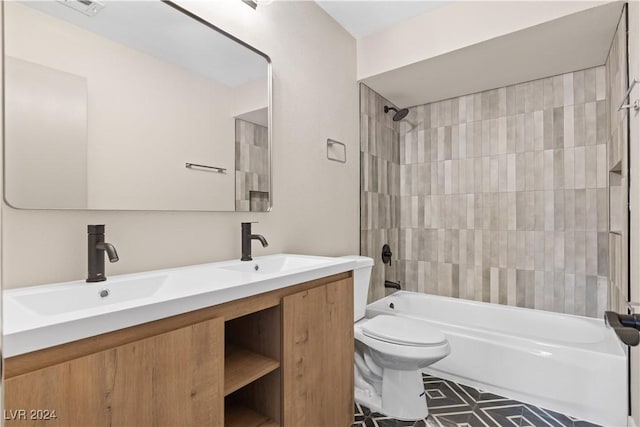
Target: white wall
[(249, 97), (634, 200), (452, 27), (316, 202)]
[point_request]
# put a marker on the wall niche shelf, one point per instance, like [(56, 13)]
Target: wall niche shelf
[(616, 167), (617, 202)]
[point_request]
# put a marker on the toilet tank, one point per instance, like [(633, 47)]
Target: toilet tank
[(361, 279)]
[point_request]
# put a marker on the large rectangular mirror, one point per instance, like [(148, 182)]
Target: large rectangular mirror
[(132, 105)]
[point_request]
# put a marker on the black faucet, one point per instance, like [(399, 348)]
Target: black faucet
[(247, 237), (96, 249)]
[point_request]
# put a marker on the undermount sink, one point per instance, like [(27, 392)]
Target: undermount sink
[(276, 264), (82, 296)]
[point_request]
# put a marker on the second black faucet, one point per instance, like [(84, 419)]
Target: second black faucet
[(247, 237), (95, 254)]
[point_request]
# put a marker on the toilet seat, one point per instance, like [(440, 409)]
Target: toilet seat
[(402, 331)]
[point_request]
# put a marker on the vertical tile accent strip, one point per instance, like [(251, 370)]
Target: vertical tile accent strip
[(252, 167), (383, 180)]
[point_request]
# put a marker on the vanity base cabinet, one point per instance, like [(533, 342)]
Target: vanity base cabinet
[(318, 356), (281, 358), (129, 385)]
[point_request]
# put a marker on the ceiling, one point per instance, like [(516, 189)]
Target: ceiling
[(166, 34), (570, 43), (574, 42), (361, 18)]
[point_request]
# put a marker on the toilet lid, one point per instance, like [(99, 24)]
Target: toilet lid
[(403, 331)]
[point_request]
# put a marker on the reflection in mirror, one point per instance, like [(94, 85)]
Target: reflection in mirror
[(105, 107), (252, 162)]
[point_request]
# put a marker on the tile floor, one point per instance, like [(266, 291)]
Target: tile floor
[(456, 405)]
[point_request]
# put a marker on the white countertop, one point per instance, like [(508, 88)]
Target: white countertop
[(43, 316)]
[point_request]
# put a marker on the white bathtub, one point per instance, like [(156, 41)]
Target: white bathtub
[(569, 364)]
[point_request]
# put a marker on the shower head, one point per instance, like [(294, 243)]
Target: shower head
[(399, 115)]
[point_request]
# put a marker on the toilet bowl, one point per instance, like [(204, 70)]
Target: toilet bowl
[(390, 352)]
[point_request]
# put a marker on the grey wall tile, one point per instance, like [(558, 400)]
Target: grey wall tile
[(569, 210), (591, 295), (578, 87), (548, 99), (558, 291), (558, 127), (500, 196), (567, 89), (579, 126), (590, 85), (558, 91), (590, 123), (601, 83), (549, 282), (580, 201), (538, 95), (567, 127), (580, 294), (601, 166), (579, 167)]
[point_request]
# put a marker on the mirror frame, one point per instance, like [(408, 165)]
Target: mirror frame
[(211, 26)]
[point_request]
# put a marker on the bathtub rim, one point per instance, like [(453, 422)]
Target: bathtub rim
[(609, 335), (615, 354)]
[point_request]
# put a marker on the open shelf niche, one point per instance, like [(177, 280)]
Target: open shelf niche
[(252, 369)]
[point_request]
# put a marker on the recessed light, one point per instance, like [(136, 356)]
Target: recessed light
[(86, 7)]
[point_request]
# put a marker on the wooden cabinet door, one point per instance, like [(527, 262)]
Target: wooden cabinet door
[(171, 379), (317, 359)]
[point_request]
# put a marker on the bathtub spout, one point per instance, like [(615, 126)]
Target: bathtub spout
[(392, 285)]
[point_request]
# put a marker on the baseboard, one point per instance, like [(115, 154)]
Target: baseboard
[(631, 422)]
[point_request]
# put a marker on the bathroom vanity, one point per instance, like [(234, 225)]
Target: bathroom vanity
[(283, 356)]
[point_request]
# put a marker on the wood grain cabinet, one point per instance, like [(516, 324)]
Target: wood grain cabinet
[(282, 358), (318, 356), (171, 379)]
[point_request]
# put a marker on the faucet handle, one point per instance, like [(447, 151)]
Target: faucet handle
[(631, 306), (95, 229)]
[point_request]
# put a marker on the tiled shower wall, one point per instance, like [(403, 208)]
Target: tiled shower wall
[(379, 187), (252, 167), (504, 195)]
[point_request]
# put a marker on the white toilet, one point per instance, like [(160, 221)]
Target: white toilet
[(390, 352)]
